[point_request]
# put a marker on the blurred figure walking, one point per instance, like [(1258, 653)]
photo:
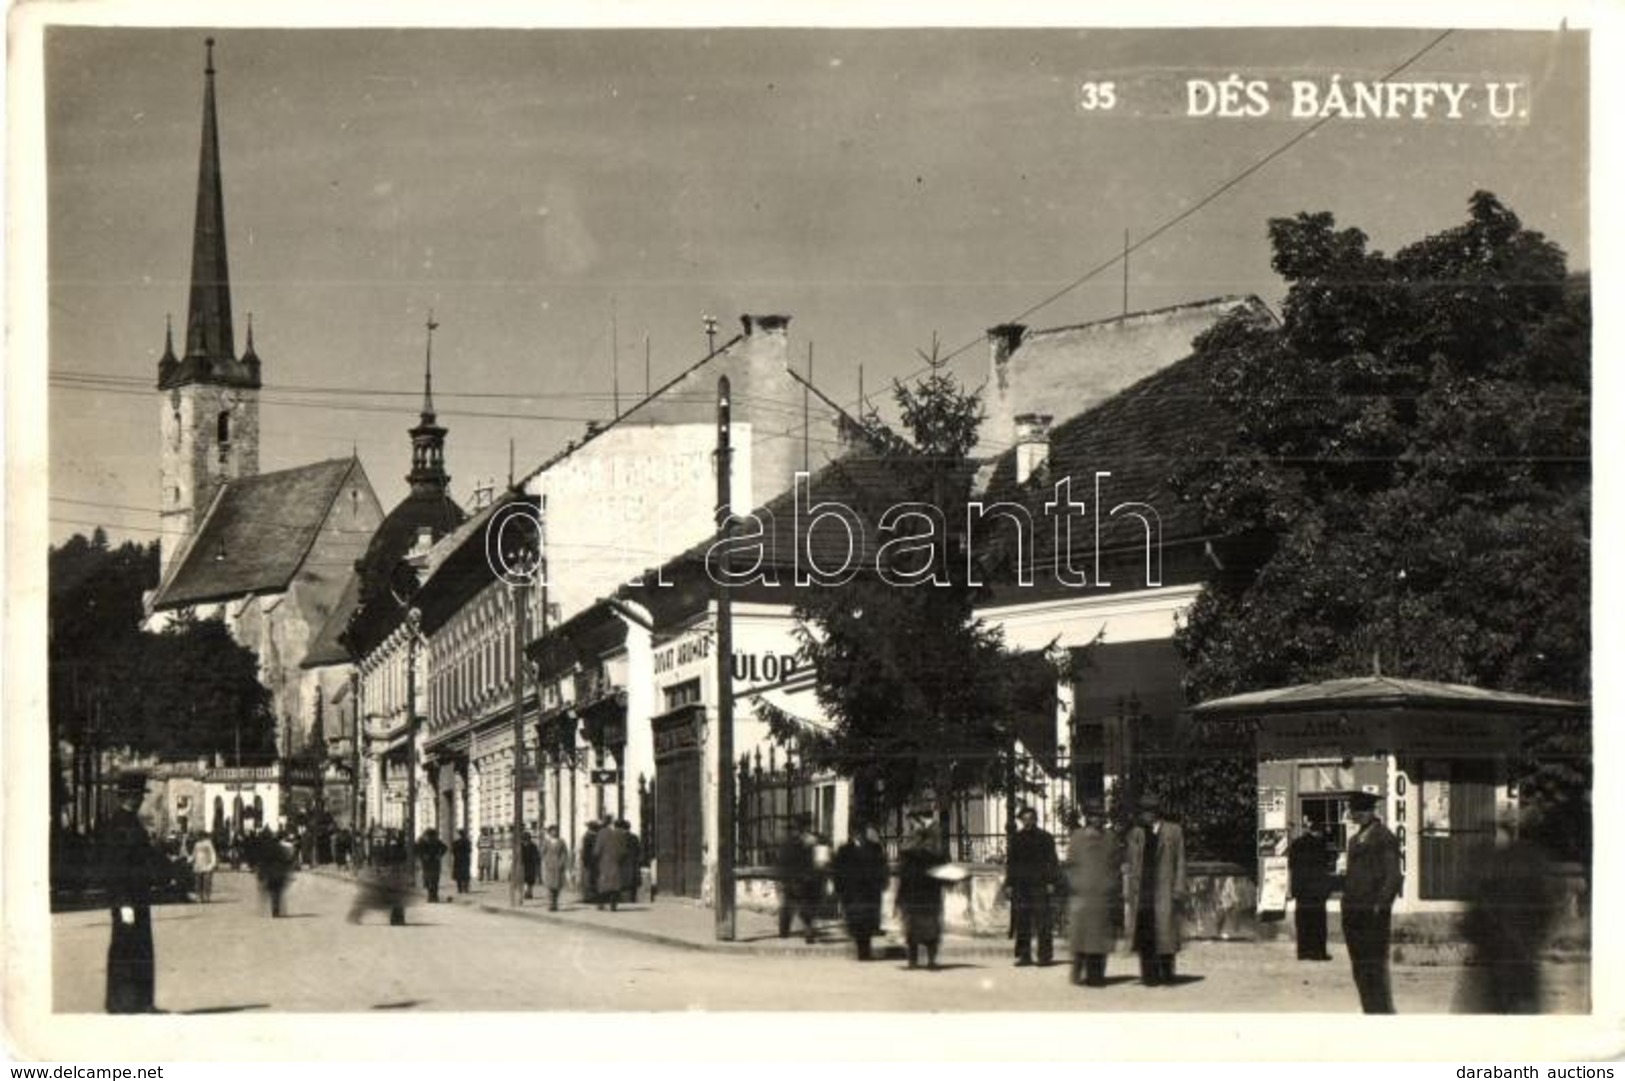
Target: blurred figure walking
[(1093, 863), (1509, 917), (860, 883), (798, 878), (919, 894)]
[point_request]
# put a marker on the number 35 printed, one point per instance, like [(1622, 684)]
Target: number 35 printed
[(1097, 97)]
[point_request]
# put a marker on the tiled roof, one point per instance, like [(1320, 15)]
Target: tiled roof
[(327, 649), (378, 610), (1139, 436), (256, 534)]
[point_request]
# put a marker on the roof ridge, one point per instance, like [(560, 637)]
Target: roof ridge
[(571, 448), (1227, 298), (351, 465)]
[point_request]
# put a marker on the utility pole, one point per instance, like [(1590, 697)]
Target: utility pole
[(726, 928), (520, 565), (1125, 271), (355, 760), (615, 357), (710, 322), (411, 731), (806, 415)]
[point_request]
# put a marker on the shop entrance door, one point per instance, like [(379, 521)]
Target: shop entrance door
[(679, 792), (1458, 824)]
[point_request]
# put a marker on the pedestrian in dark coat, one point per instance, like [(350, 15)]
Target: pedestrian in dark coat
[(1093, 863), (798, 878), (431, 850), (589, 863), (860, 883), (1310, 863), (1369, 889), (1512, 908), (531, 856), (462, 854), (919, 895), (129, 871), (1154, 887), (1030, 876), (610, 852), (555, 861), (273, 860), (631, 861)]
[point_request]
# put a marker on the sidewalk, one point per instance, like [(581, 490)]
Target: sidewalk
[(685, 923)]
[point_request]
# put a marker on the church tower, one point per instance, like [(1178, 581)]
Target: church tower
[(209, 401)]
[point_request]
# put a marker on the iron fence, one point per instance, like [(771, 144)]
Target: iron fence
[(775, 789)]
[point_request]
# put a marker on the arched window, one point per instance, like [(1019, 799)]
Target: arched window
[(222, 426)]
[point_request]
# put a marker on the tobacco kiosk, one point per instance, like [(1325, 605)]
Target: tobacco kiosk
[(1437, 756)]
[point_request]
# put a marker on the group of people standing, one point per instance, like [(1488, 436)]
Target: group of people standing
[(1143, 878), (611, 864)]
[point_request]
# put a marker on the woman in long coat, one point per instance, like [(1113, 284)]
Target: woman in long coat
[(919, 896), (609, 851), (555, 860), (1152, 890), (1092, 867)]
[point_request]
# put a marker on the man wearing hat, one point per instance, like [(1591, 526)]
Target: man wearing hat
[(1154, 887), (1029, 876), (1310, 862), (130, 864), (1369, 889)]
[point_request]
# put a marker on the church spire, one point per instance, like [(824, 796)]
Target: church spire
[(428, 370), (428, 477), (208, 319)]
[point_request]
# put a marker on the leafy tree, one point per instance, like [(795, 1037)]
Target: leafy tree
[(1409, 477), (187, 691), (922, 695)]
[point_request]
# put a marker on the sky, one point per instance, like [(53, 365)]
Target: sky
[(558, 197)]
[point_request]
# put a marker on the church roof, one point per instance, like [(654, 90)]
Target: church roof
[(256, 534), (377, 611), (327, 649)]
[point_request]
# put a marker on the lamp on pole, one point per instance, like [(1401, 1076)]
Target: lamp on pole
[(726, 928), (521, 564)]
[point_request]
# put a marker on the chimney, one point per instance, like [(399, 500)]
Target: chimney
[(1032, 444), (765, 324), (1005, 340)]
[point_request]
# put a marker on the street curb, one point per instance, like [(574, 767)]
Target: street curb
[(758, 949)]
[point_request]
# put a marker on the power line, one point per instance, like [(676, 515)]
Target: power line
[(1184, 215)]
